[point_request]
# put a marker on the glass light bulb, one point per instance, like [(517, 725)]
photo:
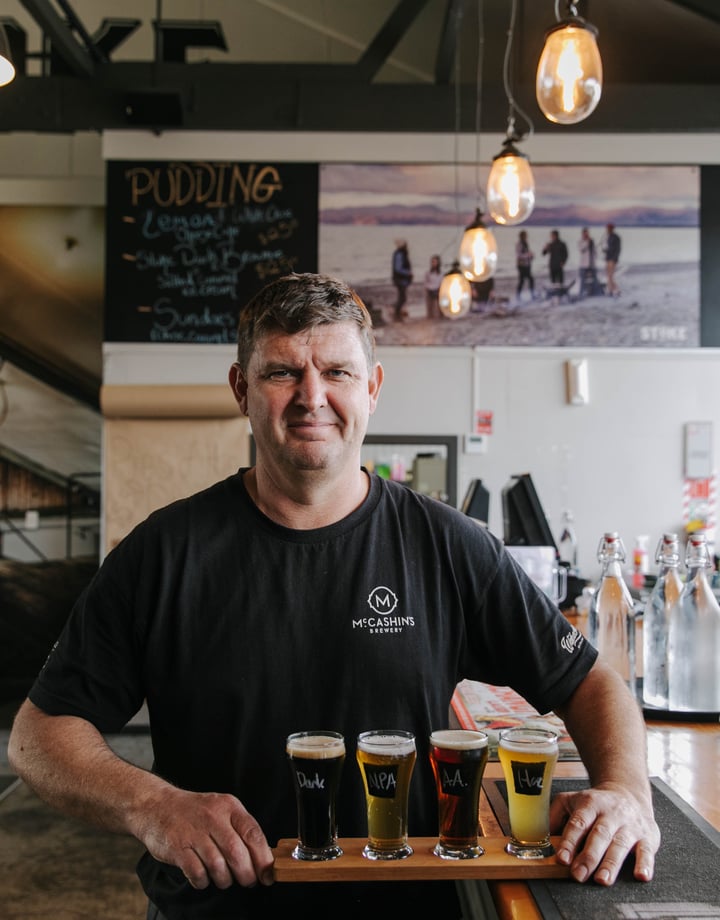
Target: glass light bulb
[(510, 189), (569, 75), (7, 71), (455, 294), (478, 253)]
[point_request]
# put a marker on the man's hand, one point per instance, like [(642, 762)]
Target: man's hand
[(601, 825), (599, 828), (210, 837)]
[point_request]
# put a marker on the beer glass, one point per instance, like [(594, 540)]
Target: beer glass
[(528, 757), (458, 761), (386, 760), (316, 760)]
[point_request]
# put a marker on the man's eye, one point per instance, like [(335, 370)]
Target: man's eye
[(337, 372)]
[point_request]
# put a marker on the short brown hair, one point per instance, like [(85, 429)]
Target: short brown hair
[(301, 301)]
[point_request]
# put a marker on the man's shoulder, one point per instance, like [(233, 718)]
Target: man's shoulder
[(197, 505)]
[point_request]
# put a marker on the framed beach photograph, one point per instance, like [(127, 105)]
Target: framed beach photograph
[(630, 236)]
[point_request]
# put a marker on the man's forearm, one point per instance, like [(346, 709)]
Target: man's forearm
[(608, 729), (67, 762)]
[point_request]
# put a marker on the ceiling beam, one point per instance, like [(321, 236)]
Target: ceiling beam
[(394, 29), (74, 55), (705, 8), (327, 98)]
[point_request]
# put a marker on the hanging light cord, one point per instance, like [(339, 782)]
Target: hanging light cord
[(452, 242), (478, 93), (514, 107)]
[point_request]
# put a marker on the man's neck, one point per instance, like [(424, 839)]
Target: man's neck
[(311, 502)]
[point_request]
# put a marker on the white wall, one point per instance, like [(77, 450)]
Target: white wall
[(617, 462)]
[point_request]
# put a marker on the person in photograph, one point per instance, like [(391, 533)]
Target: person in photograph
[(586, 246), (432, 281), (306, 592), (611, 248), (524, 257), (557, 252), (402, 277)]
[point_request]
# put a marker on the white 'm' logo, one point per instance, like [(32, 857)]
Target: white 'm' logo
[(382, 600)]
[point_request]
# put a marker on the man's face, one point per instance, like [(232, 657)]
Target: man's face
[(308, 397)]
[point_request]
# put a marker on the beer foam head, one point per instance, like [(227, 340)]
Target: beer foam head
[(530, 740), (459, 739), (387, 743), (315, 745)]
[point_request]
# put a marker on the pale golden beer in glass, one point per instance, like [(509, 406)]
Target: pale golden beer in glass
[(458, 761), (316, 761), (528, 757), (386, 760)]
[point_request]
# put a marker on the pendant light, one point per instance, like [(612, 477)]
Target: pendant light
[(510, 190), (511, 186), (454, 294), (478, 249), (7, 69), (568, 85)]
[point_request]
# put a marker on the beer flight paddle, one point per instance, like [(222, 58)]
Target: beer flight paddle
[(352, 866), (386, 760)]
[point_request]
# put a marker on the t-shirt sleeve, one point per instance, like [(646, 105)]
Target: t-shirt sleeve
[(94, 669), (517, 637)]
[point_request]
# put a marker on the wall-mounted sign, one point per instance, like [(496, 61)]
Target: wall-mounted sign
[(188, 243)]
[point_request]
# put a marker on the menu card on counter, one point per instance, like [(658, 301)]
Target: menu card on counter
[(189, 243)]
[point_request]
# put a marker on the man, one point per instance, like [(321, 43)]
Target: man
[(557, 253), (304, 593), (402, 277), (611, 247)]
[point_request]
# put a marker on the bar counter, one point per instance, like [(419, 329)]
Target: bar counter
[(684, 755)]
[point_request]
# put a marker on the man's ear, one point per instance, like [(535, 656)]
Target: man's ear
[(375, 383), (238, 384)]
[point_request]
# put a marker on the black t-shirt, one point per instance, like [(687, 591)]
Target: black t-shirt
[(238, 631)]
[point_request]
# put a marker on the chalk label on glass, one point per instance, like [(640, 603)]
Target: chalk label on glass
[(456, 778), (381, 780), (528, 777)]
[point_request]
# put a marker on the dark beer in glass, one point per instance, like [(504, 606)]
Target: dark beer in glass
[(458, 761), (316, 760)]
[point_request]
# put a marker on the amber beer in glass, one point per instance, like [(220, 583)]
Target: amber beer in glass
[(316, 760), (458, 761), (386, 760), (528, 757)]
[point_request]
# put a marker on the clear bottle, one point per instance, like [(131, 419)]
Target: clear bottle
[(656, 621), (568, 547), (694, 636), (611, 622)]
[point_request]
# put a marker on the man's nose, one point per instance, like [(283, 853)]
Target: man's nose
[(311, 391)]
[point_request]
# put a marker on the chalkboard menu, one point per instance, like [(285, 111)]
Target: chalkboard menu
[(188, 243)]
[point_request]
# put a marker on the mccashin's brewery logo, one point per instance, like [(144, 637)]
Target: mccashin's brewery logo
[(384, 619)]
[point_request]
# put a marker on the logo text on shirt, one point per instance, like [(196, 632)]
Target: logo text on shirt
[(383, 602), (572, 640)]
